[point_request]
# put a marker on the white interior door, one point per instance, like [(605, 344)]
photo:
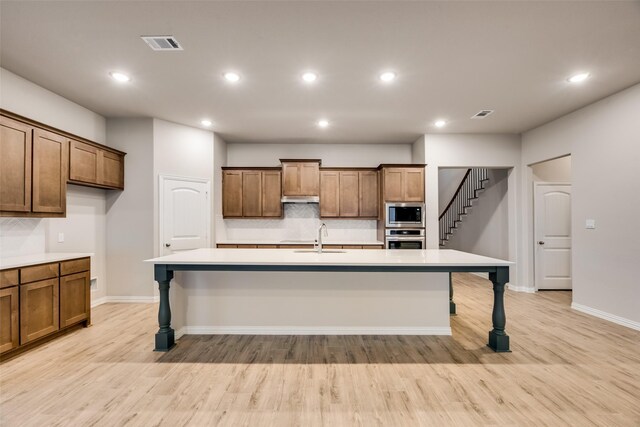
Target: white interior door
[(185, 214), (552, 230)]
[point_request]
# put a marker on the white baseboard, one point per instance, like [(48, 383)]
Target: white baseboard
[(606, 316), (310, 330), (125, 299), (525, 289)]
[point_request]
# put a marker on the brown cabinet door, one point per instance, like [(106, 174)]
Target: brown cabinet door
[(110, 169), (368, 196), (15, 166), (291, 179), (232, 194), (251, 193), (271, 194), (414, 185), (349, 190), (329, 194), (301, 178), (83, 162), (38, 309), (309, 179), (50, 158), (9, 323), (75, 298), (393, 181)]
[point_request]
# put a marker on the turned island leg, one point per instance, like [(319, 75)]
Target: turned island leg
[(452, 305), (498, 338), (165, 338)]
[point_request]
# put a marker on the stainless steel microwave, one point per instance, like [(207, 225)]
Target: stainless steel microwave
[(399, 215)]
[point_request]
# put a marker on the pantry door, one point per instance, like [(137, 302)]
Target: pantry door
[(185, 214), (552, 229)]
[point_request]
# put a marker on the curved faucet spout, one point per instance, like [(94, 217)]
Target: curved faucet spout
[(322, 227)]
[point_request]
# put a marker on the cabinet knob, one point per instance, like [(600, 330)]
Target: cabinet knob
[(541, 242), (166, 245)]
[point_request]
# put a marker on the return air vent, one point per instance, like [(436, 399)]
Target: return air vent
[(482, 114), (162, 42)]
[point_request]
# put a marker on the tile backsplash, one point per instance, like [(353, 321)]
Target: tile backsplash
[(21, 236), (300, 222)]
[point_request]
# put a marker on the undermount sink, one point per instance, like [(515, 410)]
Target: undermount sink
[(313, 251)]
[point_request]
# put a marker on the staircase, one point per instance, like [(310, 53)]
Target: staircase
[(472, 183)]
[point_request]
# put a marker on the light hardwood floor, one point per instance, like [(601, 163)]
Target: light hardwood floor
[(566, 368)]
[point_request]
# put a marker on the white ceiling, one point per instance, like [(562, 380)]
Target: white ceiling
[(452, 59)]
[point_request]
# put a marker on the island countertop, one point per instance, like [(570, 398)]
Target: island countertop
[(345, 257)]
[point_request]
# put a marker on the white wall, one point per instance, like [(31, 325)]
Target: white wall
[(130, 213), (332, 155), (485, 230), (467, 151), (22, 97), (556, 170), (84, 227), (179, 151), (219, 160), (449, 180), (604, 142)]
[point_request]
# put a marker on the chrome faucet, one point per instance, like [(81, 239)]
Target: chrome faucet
[(319, 240)]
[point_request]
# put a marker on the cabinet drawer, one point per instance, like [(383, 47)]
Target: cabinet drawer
[(8, 278), (38, 272), (75, 266)]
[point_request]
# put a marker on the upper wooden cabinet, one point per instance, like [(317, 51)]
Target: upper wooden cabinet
[(251, 193), (15, 165), (50, 162), (403, 184), (300, 177), (37, 161), (33, 168), (95, 166), (348, 193)]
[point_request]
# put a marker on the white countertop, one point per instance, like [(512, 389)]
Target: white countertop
[(26, 260), (346, 257), (298, 242)]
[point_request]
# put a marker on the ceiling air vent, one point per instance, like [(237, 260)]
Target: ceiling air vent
[(162, 42), (482, 114)]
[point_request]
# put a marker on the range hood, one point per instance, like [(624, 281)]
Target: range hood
[(300, 199)]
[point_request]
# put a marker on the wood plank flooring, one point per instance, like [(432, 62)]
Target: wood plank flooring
[(566, 368)]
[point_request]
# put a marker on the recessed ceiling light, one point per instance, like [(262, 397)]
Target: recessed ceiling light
[(309, 77), (232, 77), (323, 123), (206, 122), (577, 78), (119, 77), (440, 123), (388, 76)]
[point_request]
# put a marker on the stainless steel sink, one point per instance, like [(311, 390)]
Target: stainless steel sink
[(324, 251)]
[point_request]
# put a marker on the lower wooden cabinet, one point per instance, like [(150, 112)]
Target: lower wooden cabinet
[(37, 301), (75, 298), (9, 323), (38, 309)]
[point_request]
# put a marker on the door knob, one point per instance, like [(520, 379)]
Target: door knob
[(166, 245), (541, 242)]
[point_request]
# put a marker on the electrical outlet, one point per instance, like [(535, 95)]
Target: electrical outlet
[(60, 237), (590, 224)]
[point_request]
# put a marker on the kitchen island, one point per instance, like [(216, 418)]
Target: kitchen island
[(343, 284)]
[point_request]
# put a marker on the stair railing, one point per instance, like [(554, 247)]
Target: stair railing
[(472, 182)]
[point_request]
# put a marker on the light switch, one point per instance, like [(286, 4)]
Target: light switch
[(590, 224), (60, 237)]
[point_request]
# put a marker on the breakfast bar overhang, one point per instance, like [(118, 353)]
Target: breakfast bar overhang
[(380, 262)]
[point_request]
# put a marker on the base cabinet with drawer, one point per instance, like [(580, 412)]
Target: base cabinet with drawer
[(39, 301)]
